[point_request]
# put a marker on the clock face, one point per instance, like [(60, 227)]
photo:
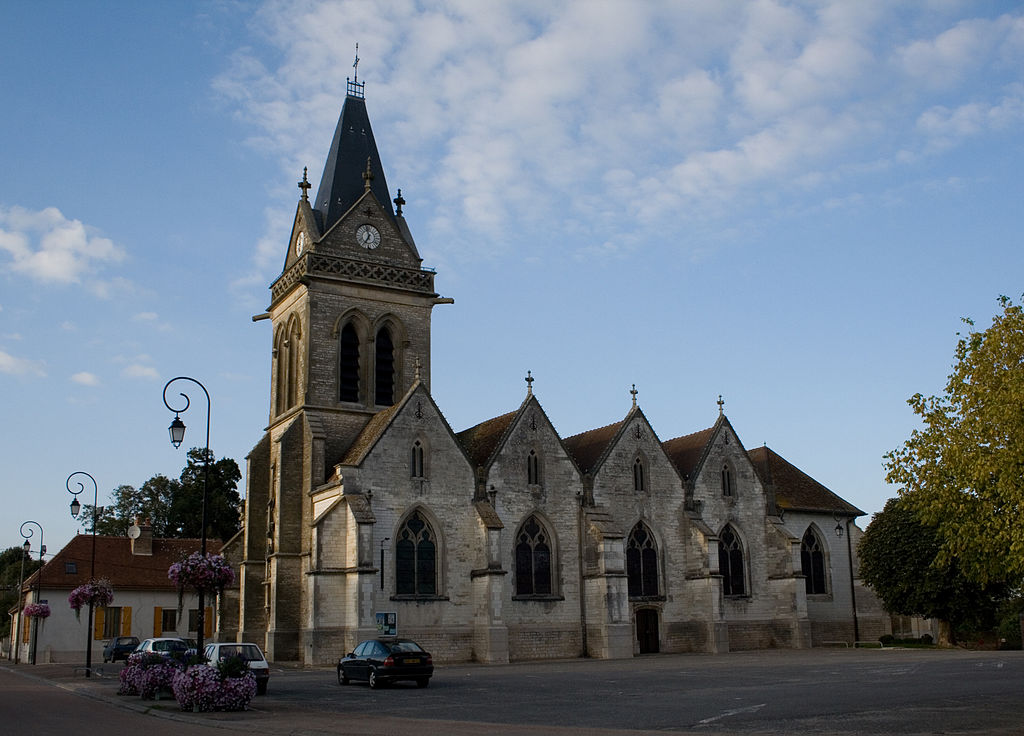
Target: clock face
[(368, 236), (300, 244)]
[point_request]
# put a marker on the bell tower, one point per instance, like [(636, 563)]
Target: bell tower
[(350, 314)]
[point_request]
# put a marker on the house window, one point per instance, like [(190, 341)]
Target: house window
[(168, 620), (417, 460), (642, 563), (348, 364), (639, 479), (112, 622), (193, 619), (416, 558), (727, 486), (812, 562), (70, 568), (533, 559), (730, 562), (385, 369), (532, 469)]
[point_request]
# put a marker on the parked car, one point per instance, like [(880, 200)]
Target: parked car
[(119, 648), (165, 646), (383, 661), (251, 653)]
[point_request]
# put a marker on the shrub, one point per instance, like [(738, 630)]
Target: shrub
[(926, 639), (887, 640)]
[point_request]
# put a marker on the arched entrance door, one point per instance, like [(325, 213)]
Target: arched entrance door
[(647, 630)]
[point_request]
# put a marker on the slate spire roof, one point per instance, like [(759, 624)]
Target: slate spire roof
[(352, 147)]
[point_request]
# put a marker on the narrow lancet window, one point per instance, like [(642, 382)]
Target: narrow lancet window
[(348, 365), (385, 369)]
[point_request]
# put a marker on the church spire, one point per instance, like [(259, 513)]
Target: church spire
[(353, 152)]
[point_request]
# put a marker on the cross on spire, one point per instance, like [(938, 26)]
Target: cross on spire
[(304, 185), (721, 406), (353, 87), (529, 383), (634, 392)]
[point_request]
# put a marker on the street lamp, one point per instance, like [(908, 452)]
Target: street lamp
[(177, 432), (76, 507), (27, 546), (21, 607)]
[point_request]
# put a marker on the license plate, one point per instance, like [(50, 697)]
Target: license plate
[(412, 660)]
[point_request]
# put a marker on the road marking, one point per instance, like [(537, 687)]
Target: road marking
[(733, 712)]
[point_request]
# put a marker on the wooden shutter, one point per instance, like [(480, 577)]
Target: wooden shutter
[(207, 622), (158, 620), (97, 624), (126, 621), (25, 628)]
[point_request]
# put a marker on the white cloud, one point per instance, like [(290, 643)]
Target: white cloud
[(86, 379), (15, 366), (138, 370), (49, 248)]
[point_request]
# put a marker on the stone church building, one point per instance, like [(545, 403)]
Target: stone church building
[(366, 512)]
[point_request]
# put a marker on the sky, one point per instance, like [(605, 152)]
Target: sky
[(788, 204)]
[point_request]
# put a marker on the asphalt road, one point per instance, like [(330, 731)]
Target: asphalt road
[(833, 691)]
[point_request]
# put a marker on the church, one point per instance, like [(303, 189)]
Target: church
[(366, 514)]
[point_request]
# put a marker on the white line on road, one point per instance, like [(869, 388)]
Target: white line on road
[(733, 712)]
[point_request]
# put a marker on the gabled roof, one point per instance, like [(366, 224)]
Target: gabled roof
[(372, 432), (115, 561), (686, 452), (794, 489), (342, 182), (481, 441), (588, 448)]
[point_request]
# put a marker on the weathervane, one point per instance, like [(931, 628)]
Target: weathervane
[(353, 87)]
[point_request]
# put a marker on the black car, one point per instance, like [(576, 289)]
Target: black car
[(382, 661), (119, 648)]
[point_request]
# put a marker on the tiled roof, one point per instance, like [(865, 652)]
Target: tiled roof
[(480, 441), (115, 561), (369, 435), (685, 452), (794, 489), (587, 447)]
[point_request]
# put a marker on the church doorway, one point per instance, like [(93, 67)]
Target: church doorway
[(647, 630)]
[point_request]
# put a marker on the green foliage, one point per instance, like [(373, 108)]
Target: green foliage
[(174, 506), (10, 574), (898, 560), (964, 470), (233, 666)]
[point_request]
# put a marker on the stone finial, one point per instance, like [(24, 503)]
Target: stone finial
[(368, 175), (634, 392), (304, 185), (721, 406), (529, 383), (399, 203)]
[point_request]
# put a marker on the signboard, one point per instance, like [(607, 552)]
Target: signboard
[(387, 623)]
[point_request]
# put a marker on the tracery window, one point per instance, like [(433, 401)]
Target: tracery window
[(384, 369), (727, 483), (730, 562), (639, 476), (812, 562), (533, 559), (642, 562), (348, 364), (416, 558)]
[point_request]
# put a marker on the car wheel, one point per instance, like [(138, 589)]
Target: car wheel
[(374, 682), (423, 682), (261, 687), (342, 678)]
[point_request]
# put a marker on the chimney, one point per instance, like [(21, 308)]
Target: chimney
[(141, 534)]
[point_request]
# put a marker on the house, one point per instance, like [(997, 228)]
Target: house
[(145, 601)]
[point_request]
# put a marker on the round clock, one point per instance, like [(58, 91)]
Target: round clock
[(368, 236), (300, 244)]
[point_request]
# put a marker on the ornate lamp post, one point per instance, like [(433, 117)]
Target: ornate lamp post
[(21, 605), (76, 507), (177, 432), (39, 577)]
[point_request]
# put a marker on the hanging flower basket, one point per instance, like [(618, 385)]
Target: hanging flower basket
[(95, 593), (37, 610), (209, 574)]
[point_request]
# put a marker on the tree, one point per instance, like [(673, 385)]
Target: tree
[(898, 560), (174, 506), (963, 472), (10, 573)]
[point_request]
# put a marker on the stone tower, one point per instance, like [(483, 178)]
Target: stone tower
[(351, 333)]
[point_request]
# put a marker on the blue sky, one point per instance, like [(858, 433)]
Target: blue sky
[(791, 204)]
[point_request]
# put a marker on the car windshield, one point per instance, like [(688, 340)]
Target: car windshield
[(168, 646), (405, 646), (248, 652)]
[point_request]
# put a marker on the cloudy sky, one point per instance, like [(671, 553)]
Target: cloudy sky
[(791, 204)]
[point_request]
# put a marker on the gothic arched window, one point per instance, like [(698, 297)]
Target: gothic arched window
[(730, 562), (639, 476), (384, 369), (812, 562), (533, 559), (416, 558), (532, 469), (281, 378), (642, 562), (727, 485), (348, 364), (417, 469)]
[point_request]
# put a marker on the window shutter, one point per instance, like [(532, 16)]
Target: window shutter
[(126, 621), (25, 629), (158, 618), (97, 624), (207, 622)]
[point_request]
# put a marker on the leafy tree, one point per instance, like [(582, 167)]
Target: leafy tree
[(10, 573), (964, 470), (174, 506), (898, 560)]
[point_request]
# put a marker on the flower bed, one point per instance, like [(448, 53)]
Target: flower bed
[(147, 674), (203, 688), (95, 593), (37, 610)]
